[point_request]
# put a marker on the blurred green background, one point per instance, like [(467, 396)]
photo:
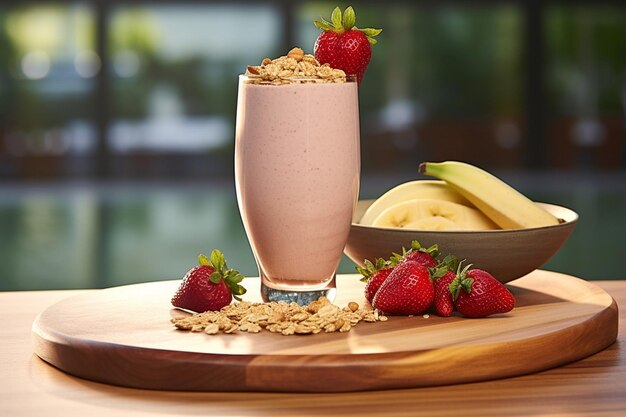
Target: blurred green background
[(117, 122)]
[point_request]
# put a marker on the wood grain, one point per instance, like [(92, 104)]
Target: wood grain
[(593, 386), (122, 336)]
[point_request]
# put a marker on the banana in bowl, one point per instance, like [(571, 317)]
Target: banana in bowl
[(506, 254), (469, 213)]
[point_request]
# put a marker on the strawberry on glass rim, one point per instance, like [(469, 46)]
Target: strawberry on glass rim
[(344, 46)]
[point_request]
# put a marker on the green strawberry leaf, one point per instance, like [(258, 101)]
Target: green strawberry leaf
[(462, 272), (451, 263), (438, 271), (232, 278), (341, 22), (371, 268), (349, 18), (237, 278), (215, 277), (455, 288), (433, 251), (218, 261), (236, 289), (323, 25), (461, 281), (364, 272), (380, 264), (467, 284), (336, 17), (203, 260), (394, 261), (369, 32), (415, 245)]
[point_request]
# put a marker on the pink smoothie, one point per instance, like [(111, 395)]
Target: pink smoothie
[(297, 168)]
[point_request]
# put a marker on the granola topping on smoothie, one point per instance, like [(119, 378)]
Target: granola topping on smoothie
[(295, 67)]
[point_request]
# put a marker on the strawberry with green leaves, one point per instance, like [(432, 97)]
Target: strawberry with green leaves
[(417, 253), (343, 45), (408, 290), (443, 275), (476, 293), (374, 274), (209, 286)]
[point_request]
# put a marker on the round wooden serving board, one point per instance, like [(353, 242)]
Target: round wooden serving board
[(123, 336)]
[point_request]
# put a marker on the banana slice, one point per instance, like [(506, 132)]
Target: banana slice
[(506, 206), (429, 214), (429, 189), (434, 223)]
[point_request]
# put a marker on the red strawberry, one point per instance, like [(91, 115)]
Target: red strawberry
[(443, 297), (374, 275), (343, 45), (423, 256), (443, 275), (209, 286), (476, 293), (408, 290)]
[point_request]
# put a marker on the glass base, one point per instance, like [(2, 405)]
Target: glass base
[(302, 298)]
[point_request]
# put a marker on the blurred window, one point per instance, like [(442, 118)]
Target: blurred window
[(48, 65), (586, 75), (174, 80), (444, 83), (149, 89)]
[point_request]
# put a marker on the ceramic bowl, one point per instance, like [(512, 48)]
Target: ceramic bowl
[(506, 254)]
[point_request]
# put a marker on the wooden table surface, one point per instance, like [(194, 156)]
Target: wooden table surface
[(28, 386)]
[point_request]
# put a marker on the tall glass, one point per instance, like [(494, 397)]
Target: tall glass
[(297, 170)]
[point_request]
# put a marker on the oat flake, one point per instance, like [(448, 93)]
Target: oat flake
[(279, 317), (295, 67)]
